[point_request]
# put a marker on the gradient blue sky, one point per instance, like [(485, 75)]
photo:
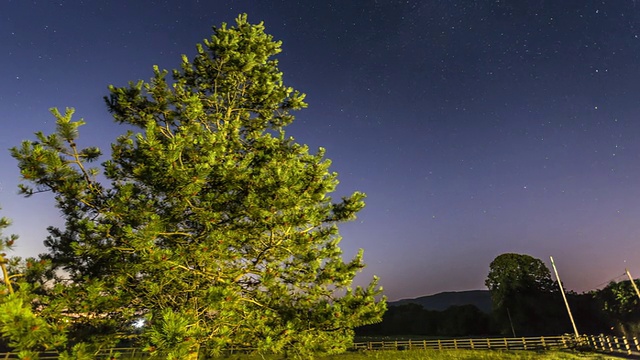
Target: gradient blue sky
[(475, 127)]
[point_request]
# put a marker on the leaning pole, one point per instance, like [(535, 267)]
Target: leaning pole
[(633, 283), (566, 303)]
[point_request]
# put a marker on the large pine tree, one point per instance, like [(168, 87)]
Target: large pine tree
[(209, 223)]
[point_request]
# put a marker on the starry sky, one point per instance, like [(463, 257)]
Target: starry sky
[(476, 127)]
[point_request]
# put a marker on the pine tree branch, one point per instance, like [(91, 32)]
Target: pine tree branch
[(5, 274)]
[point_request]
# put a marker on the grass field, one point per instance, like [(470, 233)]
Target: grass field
[(448, 355), (469, 354), (423, 355)]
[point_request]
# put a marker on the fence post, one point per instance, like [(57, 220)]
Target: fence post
[(626, 344), (471, 343), (488, 343), (544, 345), (455, 344), (609, 343), (635, 341), (524, 343), (424, 344), (506, 343), (439, 345)]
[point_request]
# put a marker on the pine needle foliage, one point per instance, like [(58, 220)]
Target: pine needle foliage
[(208, 222)]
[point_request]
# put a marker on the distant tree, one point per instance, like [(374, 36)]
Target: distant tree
[(209, 223), (403, 319), (406, 319), (524, 295), (463, 320), (588, 314), (413, 319), (621, 305)]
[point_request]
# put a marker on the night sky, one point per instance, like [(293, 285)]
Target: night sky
[(475, 127)]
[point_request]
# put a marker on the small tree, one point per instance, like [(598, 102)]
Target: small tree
[(6, 244), (20, 326), (215, 228), (619, 302)]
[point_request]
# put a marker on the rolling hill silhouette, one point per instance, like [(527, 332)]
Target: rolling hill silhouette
[(441, 301)]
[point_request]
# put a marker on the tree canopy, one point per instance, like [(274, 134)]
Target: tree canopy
[(525, 298), (620, 303), (516, 271), (208, 222)]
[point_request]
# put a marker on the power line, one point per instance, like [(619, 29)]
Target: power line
[(608, 281)]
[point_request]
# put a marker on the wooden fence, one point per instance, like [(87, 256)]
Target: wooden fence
[(596, 343), (612, 344), (521, 343), (104, 354)]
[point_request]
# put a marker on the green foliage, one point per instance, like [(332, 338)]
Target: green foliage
[(21, 327), (210, 223), (517, 271), (619, 301), (524, 295), (6, 244)]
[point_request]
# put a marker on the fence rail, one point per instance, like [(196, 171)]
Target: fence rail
[(521, 343), (612, 344), (597, 343), (104, 354)]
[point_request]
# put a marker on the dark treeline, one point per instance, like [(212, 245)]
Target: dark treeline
[(413, 319), (525, 302), (543, 317)]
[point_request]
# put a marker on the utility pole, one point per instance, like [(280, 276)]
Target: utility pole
[(633, 283), (575, 329)]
